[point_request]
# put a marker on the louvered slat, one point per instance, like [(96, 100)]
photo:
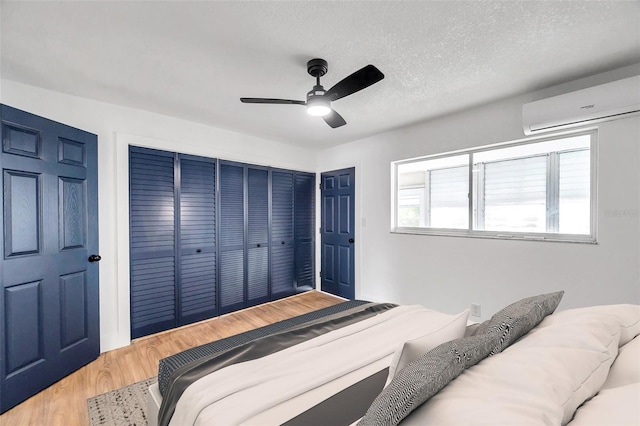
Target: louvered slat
[(231, 279), (231, 205), (282, 205)]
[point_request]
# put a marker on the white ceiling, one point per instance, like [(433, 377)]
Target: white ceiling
[(193, 60)]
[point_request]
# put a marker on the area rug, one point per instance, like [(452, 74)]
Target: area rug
[(126, 406)]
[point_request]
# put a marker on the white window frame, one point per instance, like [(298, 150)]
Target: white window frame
[(591, 238)]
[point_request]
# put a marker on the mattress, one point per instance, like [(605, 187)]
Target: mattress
[(172, 363)]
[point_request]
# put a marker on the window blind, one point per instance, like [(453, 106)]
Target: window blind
[(515, 194), (449, 201)]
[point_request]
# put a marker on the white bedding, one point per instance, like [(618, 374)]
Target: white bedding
[(579, 366), (545, 376), (240, 392), (618, 401)]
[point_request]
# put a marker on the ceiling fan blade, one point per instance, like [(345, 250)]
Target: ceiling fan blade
[(271, 101), (357, 81), (334, 119)]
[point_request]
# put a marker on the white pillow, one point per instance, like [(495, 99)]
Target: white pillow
[(626, 368), (413, 349), (616, 406), (540, 379)]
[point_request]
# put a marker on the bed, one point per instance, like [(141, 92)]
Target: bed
[(382, 364)]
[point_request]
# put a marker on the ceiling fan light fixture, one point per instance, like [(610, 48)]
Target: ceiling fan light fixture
[(318, 107)]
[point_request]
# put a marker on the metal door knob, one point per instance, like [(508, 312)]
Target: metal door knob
[(351, 240), (95, 258)]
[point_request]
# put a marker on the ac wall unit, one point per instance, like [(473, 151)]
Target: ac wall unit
[(609, 101)]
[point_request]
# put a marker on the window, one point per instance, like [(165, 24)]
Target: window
[(538, 189)]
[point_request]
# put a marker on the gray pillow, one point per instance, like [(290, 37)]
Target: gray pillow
[(424, 377), (519, 318)]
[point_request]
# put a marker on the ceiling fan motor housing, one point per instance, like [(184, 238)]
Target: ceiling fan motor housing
[(316, 92)]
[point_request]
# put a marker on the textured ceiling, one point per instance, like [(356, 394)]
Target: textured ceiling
[(193, 60)]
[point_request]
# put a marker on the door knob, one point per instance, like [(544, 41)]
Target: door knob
[(351, 240), (95, 258)]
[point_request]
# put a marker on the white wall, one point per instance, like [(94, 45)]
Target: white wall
[(450, 273), (117, 127)]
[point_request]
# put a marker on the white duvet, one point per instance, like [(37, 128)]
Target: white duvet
[(544, 377), (240, 392)]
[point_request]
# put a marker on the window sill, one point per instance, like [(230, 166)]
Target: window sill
[(555, 238)]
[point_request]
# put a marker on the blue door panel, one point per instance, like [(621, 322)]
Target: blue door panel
[(73, 220), (338, 232), (73, 309), (22, 211), (49, 291), (23, 325)]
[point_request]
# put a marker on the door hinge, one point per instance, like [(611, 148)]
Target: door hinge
[(320, 230), (320, 274), (320, 186)]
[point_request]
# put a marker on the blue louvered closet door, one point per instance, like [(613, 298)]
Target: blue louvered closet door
[(197, 239), (152, 222), (304, 217), (172, 238), (232, 237), (257, 235), (282, 234), (204, 244)]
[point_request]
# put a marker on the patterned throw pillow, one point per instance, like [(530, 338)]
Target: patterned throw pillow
[(519, 318), (413, 349), (424, 377)]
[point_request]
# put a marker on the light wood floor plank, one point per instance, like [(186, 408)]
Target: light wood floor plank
[(65, 402)]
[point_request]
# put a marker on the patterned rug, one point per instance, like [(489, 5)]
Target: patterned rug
[(126, 406)]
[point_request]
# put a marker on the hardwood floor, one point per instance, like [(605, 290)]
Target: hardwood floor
[(65, 402)]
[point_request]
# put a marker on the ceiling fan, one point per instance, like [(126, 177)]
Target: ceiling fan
[(319, 100)]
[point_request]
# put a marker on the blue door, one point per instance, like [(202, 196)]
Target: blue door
[(172, 200), (337, 232), (305, 231), (152, 231), (232, 237), (257, 235), (282, 234), (49, 324), (197, 284)]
